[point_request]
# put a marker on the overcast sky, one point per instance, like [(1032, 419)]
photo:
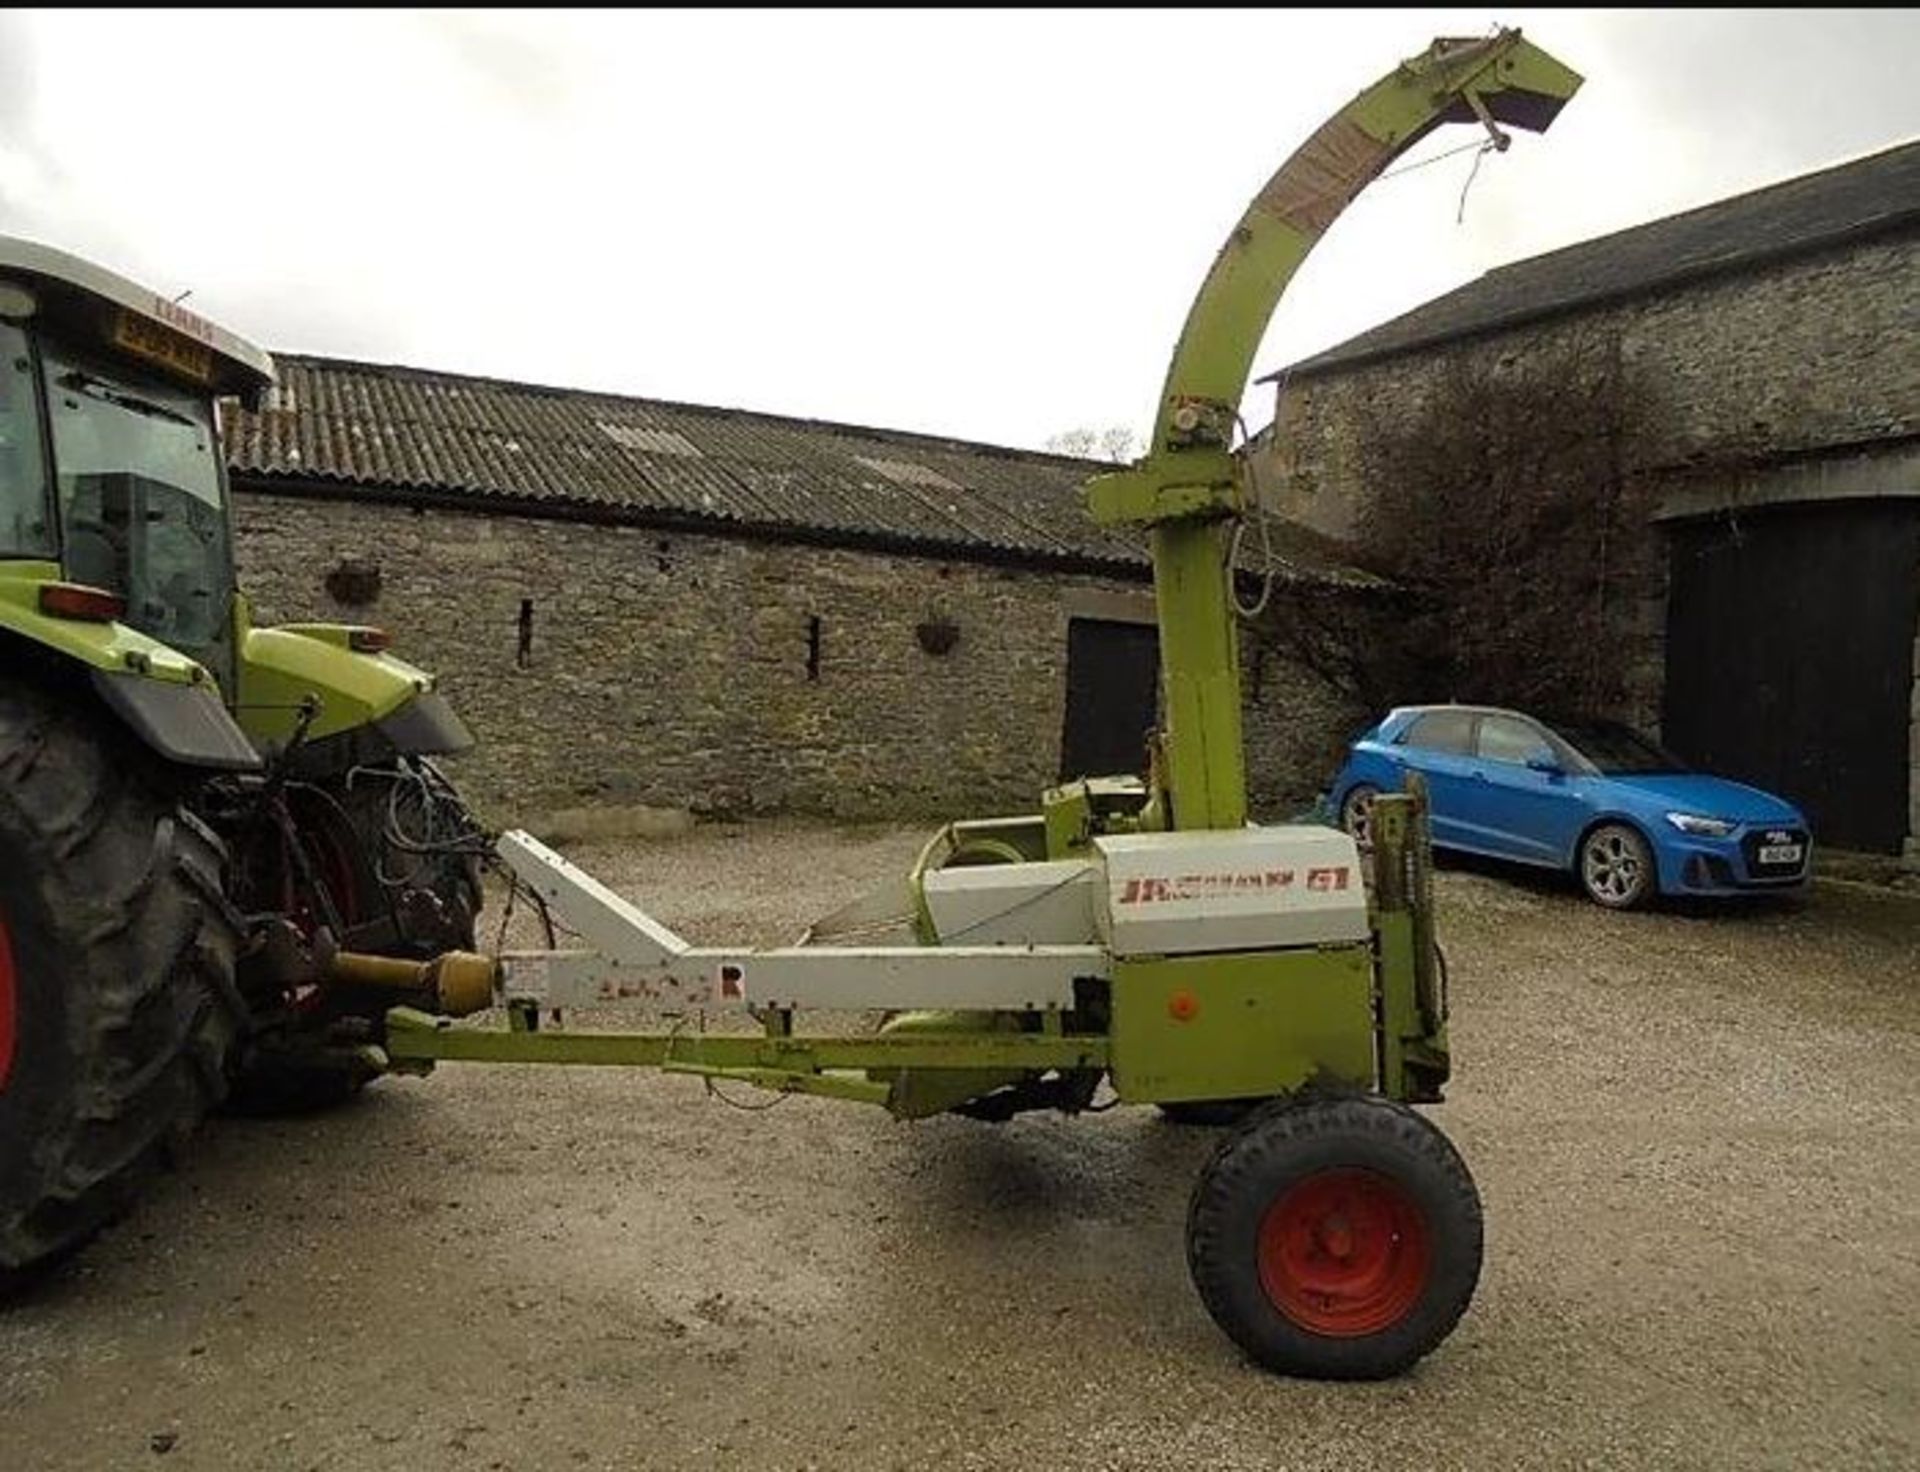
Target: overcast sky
[(987, 224)]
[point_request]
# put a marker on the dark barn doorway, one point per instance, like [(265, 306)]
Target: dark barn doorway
[(1790, 635), (1113, 672)]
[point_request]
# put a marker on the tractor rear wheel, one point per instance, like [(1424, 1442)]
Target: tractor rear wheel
[(353, 836), (1336, 1239), (117, 1002)]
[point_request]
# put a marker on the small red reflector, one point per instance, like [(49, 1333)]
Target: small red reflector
[(369, 641), (77, 600)]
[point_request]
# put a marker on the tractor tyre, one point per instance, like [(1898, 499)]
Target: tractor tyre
[(1338, 1239), (346, 831), (117, 1001)]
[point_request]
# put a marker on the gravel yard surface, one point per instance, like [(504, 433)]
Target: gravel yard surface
[(1697, 1135)]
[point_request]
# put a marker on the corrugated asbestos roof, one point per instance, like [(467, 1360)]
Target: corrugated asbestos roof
[(1850, 201), (392, 430)]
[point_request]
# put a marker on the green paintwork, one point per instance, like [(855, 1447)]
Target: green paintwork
[(855, 1087), (1260, 1024), (1414, 1061), (282, 667), (1068, 812), (279, 667), (916, 1093), (1292, 212), (419, 1036), (1141, 496), (1189, 484), (1074, 813), (1200, 668), (112, 647)]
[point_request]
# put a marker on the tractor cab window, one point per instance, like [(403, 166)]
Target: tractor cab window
[(26, 530), (140, 499)]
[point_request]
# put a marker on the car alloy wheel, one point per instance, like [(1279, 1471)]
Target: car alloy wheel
[(1615, 867), (1356, 814)]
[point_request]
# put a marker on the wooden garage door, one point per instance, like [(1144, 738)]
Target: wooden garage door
[(1113, 672), (1790, 658)]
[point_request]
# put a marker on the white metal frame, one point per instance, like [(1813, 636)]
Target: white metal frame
[(634, 958)]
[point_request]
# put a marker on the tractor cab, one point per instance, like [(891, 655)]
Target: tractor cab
[(110, 464)]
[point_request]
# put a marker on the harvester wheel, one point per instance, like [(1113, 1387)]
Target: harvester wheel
[(117, 1002), (1336, 1239)]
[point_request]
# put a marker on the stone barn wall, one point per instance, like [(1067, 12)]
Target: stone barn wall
[(674, 669), (1797, 381)]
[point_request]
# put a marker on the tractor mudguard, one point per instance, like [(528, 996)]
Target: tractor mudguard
[(282, 669), (169, 700), (426, 725), (183, 723)]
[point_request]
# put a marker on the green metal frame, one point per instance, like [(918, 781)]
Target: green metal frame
[(914, 1073), (1189, 484)]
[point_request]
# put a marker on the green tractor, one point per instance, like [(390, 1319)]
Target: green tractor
[(194, 812)]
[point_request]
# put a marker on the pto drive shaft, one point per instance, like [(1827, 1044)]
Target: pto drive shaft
[(460, 982)]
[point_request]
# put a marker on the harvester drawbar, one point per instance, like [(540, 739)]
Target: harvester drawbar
[(1137, 931)]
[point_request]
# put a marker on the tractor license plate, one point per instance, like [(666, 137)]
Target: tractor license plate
[(1780, 853), (164, 346)]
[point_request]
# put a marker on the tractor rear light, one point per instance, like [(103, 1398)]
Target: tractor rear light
[(369, 641), (77, 600)]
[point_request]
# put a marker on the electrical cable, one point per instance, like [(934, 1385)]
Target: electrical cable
[(714, 1091), (1259, 512), (1480, 147)]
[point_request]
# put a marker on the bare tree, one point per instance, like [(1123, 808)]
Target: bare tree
[(1085, 443), (1517, 541)]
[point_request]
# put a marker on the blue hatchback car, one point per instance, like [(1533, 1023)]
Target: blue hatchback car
[(1593, 797)]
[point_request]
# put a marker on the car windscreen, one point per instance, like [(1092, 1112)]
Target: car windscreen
[(1616, 750)]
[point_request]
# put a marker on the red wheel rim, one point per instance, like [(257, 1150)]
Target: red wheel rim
[(331, 861), (1344, 1253), (8, 1025)]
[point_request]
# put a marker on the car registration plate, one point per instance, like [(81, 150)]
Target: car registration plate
[(1780, 853)]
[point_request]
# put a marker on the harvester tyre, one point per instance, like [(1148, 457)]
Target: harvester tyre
[(1335, 1239), (117, 1001)]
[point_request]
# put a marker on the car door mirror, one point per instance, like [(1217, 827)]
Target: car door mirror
[(1543, 761)]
